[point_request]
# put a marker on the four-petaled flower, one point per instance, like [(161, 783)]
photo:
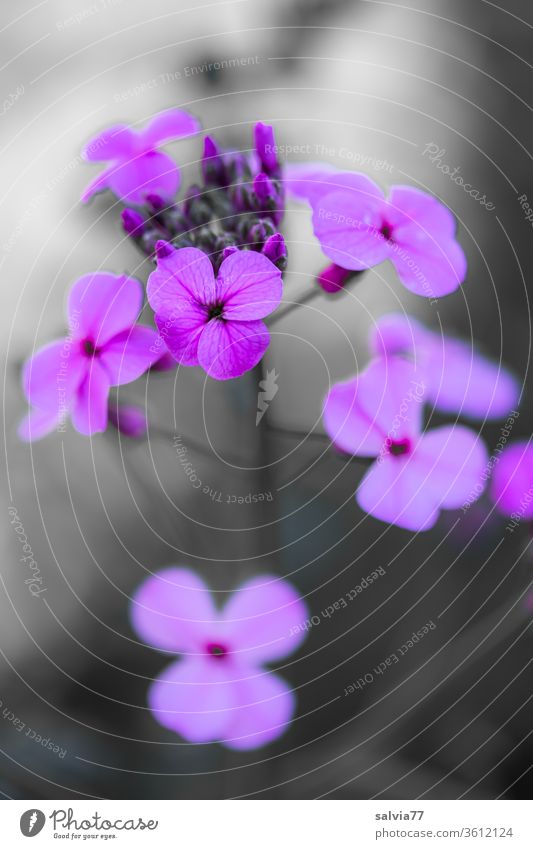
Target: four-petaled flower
[(219, 690), (358, 227), (137, 168), (417, 473), (214, 322), (104, 348), (459, 379)]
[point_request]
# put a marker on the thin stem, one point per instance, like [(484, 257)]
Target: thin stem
[(309, 296)]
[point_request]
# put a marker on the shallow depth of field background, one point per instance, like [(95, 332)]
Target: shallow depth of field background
[(367, 85)]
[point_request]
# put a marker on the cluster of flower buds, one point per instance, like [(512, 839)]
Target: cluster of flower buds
[(239, 205)]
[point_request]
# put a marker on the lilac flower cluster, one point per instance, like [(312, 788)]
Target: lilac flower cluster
[(219, 256)]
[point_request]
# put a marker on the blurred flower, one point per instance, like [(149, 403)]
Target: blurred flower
[(137, 167), (458, 378), (379, 414), (265, 148), (104, 348), (128, 420), (214, 322), (219, 690), (358, 228), (512, 481)]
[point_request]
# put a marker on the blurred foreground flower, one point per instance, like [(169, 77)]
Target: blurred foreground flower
[(512, 481), (458, 378), (137, 167), (417, 474), (104, 348), (219, 690), (359, 228), (214, 322)]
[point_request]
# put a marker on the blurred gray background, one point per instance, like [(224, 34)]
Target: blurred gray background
[(367, 85)]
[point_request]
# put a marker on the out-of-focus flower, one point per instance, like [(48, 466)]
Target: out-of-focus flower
[(458, 379), (214, 322), (219, 689), (104, 348), (265, 148), (137, 167), (512, 481), (128, 420), (358, 227), (379, 414)]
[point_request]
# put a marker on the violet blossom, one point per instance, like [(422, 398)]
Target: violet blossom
[(512, 481), (417, 472), (214, 322), (137, 167), (104, 348), (219, 690)]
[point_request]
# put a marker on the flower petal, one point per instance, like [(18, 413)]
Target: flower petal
[(167, 126), (391, 491), (264, 708), (101, 305), (452, 464), (512, 481), (428, 267), (184, 273), (89, 406), (38, 423), (52, 375), (181, 329), (99, 184), (129, 354), (227, 349), (117, 142), (261, 617), (193, 698), (174, 610), (147, 173), (312, 180), (249, 285), (383, 402), (347, 223), (410, 209)]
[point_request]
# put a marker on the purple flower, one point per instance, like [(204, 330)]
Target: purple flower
[(459, 380), (137, 168), (104, 348), (219, 689), (359, 228), (214, 322), (417, 473), (512, 481), (128, 420), (265, 147)]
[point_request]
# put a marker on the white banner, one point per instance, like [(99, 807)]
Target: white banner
[(267, 824)]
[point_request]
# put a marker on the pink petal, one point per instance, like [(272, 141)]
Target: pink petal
[(452, 464), (383, 402), (181, 329), (167, 126), (38, 423), (429, 267), (147, 173), (53, 374), (101, 305), (347, 223), (89, 408), (194, 698), (261, 618), (173, 610), (129, 354), (117, 142), (227, 349), (249, 285), (184, 273), (391, 491), (397, 333), (313, 180), (512, 482), (99, 184), (411, 208), (264, 707)]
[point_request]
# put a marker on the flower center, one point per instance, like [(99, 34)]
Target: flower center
[(399, 447), (215, 311), (89, 349), (217, 651), (386, 231)]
